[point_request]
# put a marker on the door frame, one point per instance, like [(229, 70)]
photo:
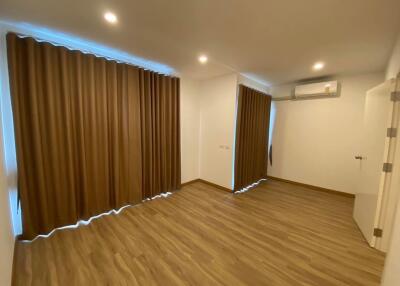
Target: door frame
[(388, 191)]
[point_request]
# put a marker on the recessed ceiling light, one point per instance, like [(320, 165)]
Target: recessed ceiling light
[(203, 59), (318, 66), (110, 17)]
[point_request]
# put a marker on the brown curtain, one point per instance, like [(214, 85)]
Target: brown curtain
[(159, 99), (77, 120), (252, 128)]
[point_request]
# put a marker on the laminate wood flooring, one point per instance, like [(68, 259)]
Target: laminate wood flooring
[(274, 234)]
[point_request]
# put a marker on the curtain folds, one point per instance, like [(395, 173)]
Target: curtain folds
[(252, 129), (91, 134), (160, 125)]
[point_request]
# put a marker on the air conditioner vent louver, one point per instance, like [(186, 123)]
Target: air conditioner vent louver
[(316, 90)]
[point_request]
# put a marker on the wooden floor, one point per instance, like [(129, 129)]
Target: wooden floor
[(275, 234)]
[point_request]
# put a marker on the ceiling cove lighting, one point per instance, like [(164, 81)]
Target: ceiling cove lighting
[(318, 66), (86, 46), (203, 59), (110, 17)]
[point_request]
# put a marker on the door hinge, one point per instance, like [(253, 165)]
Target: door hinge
[(377, 232), (395, 96), (391, 132), (387, 167)]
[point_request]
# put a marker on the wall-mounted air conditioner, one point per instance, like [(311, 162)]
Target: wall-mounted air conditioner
[(317, 90)]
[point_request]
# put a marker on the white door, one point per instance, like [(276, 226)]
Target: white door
[(374, 153)]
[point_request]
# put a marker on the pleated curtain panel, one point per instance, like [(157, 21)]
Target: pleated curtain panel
[(91, 134), (252, 132), (160, 133)]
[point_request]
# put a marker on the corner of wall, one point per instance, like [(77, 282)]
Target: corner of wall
[(190, 129), (7, 237), (253, 82), (393, 66), (310, 137), (218, 104)]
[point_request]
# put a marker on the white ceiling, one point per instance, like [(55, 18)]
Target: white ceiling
[(275, 41)]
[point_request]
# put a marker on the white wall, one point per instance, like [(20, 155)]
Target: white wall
[(190, 129), (6, 231), (314, 141), (393, 67), (217, 128), (7, 172)]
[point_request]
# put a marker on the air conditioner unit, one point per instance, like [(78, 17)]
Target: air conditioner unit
[(317, 90)]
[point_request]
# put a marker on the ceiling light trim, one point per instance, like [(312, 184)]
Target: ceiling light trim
[(318, 66), (110, 17), (203, 59)]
